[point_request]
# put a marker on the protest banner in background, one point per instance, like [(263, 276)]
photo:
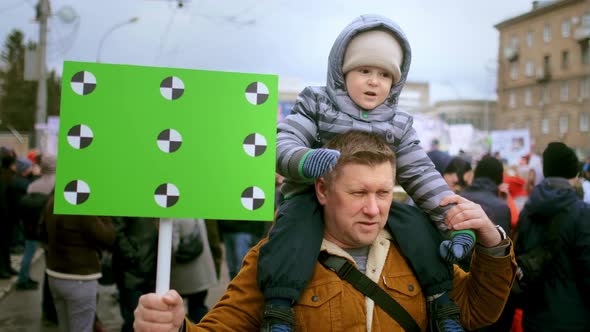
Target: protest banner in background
[(166, 142), (511, 144)]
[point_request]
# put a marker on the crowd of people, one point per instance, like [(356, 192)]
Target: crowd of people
[(478, 245)]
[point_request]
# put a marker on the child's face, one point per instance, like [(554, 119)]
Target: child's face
[(368, 86)]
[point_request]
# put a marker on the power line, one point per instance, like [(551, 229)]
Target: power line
[(165, 34)]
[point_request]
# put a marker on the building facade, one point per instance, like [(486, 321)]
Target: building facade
[(544, 74), (478, 113)]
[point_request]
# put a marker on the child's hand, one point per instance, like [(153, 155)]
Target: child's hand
[(319, 161)]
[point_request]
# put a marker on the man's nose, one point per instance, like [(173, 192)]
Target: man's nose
[(373, 80), (371, 207)]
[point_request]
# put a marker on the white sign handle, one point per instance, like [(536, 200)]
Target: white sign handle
[(164, 256)]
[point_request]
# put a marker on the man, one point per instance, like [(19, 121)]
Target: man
[(356, 197), (559, 299), (484, 191)]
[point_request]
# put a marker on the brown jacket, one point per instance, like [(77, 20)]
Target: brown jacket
[(331, 304), (74, 243)]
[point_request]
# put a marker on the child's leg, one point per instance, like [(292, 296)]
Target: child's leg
[(419, 242), (286, 262)]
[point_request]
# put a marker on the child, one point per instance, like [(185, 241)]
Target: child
[(368, 65)]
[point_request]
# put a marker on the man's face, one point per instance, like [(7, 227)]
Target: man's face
[(356, 203), (368, 86)]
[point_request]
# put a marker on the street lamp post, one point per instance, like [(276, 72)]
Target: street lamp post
[(113, 28), (41, 111)]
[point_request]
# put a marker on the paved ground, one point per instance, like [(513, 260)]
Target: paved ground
[(21, 310)]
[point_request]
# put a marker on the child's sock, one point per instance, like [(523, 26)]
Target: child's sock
[(444, 313), (460, 245)]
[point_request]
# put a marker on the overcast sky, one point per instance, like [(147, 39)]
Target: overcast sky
[(454, 44)]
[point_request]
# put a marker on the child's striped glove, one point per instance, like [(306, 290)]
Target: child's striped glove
[(317, 162), (460, 245)]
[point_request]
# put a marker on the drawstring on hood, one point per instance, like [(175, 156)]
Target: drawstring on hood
[(336, 86)]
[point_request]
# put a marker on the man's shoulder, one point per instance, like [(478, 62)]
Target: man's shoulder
[(401, 210)]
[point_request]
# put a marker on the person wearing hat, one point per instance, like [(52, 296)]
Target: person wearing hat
[(368, 67), (484, 190), (560, 300)]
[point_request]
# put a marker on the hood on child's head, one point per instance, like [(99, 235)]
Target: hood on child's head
[(335, 84)]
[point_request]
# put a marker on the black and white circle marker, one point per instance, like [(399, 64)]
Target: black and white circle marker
[(83, 82), (169, 140), (256, 93), (166, 195), (77, 192), (255, 145), (252, 198), (172, 88), (80, 136)]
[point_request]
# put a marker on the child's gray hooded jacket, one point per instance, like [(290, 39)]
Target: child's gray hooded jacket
[(320, 113)]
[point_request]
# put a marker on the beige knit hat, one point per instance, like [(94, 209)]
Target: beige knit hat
[(377, 48)]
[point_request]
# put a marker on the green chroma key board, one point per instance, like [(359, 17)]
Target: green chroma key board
[(166, 142)]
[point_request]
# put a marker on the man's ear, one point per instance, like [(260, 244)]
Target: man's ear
[(320, 190)]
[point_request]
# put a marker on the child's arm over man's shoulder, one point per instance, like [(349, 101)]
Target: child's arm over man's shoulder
[(416, 172), (297, 134)]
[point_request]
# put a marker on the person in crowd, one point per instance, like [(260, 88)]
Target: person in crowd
[(134, 262), (553, 246), (356, 199), (368, 66), (448, 171), (585, 178), (32, 205), (215, 244), (462, 170), (238, 238), (536, 170), (192, 279), (73, 246), (8, 203), (483, 190), (22, 178), (517, 184)]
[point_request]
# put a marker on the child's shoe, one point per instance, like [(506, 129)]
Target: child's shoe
[(278, 318), (444, 315)]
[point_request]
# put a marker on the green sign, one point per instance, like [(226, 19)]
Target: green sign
[(166, 142)]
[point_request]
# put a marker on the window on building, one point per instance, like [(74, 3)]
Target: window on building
[(585, 54), (565, 59), (545, 94), (512, 99), (528, 97), (513, 70), (545, 126), (585, 87), (565, 28), (514, 42), (584, 121), (527, 124), (547, 33), (564, 91), (563, 123), (529, 68), (529, 38), (547, 63)]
